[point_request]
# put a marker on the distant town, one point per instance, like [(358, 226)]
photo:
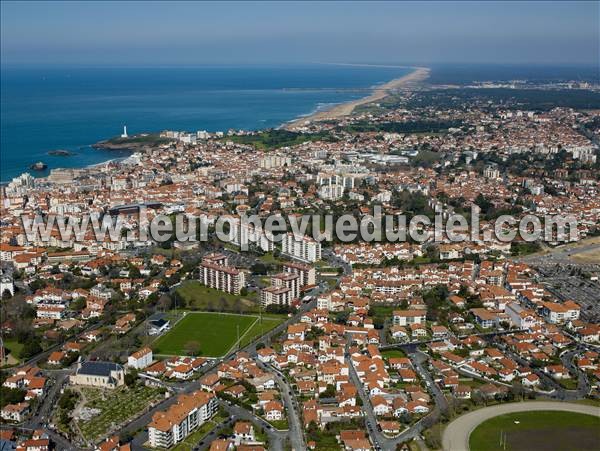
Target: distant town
[(306, 344)]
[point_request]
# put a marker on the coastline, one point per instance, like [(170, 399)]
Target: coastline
[(344, 109), (322, 111)]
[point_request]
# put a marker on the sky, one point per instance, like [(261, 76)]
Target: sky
[(195, 33)]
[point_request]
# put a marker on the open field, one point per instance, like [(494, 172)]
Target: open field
[(200, 297), (261, 327), (541, 430), (214, 333), (115, 407)]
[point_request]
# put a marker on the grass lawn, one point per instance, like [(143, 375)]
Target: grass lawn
[(383, 310), (589, 402), (280, 425), (331, 282), (538, 430), (473, 383), (116, 406), (201, 297), (569, 384), (215, 333), (326, 441), (393, 353), (329, 269), (12, 345), (269, 259), (261, 328)]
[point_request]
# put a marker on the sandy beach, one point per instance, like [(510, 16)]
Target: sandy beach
[(410, 80)]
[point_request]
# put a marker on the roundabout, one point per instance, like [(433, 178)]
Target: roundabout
[(457, 433)]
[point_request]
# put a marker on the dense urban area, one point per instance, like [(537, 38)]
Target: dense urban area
[(306, 344)]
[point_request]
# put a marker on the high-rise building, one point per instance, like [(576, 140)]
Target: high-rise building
[(301, 248), (172, 426), (287, 280), (491, 171), (308, 274), (275, 161), (275, 296), (215, 272), (245, 234)]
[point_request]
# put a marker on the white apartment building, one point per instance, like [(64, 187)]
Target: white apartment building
[(560, 313), (491, 172), (275, 296), (140, 359), (173, 425), (215, 273), (331, 192), (301, 248), (287, 280), (246, 234), (324, 303), (308, 274), (275, 161), (521, 317), (408, 317)]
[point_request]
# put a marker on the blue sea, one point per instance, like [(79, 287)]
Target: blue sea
[(45, 109)]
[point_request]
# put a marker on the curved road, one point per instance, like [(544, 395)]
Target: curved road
[(456, 435)]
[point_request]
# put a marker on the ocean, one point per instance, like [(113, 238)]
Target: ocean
[(45, 109)]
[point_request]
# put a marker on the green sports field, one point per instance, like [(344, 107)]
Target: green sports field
[(537, 430), (213, 334)]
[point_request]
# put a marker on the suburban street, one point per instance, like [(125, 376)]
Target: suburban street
[(296, 432), (377, 438)]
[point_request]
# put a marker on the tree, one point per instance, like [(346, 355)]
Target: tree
[(131, 377), (37, 284), (134, 272), (378, 322), (11, 395), (516, 389), (482, 202), (165, 302), (342, 317), (68, 400), (78, 304), (259, 268), (433, 437), (329, 392), (477, 398), (30, 348)]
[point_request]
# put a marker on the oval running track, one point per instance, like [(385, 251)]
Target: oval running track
[(456, 435)]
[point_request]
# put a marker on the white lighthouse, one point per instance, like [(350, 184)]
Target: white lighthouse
[(124, 134)]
